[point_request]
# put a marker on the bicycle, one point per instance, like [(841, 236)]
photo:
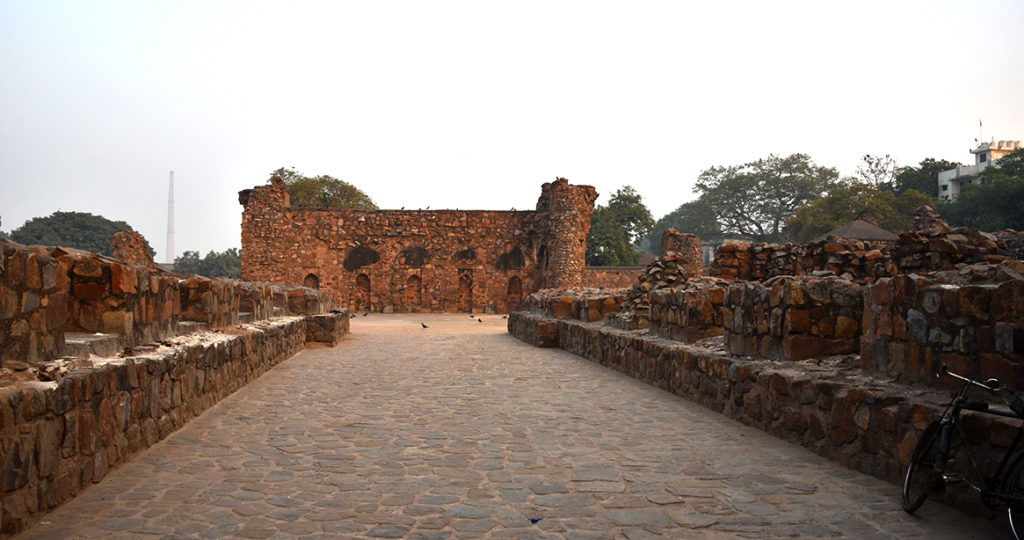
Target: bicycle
[(937, 455)]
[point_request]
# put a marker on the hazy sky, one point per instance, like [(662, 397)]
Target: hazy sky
[(474, 104)]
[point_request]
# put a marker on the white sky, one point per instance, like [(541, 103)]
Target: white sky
[(474, 104)]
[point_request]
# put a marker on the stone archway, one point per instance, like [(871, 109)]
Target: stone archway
[(361, 293), (311, 281), (466, 292), (515, 293)]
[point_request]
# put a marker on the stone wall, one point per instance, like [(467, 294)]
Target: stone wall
[(971, 319), (130, 247), (862, 261), (611, 277), (419, 260), (50, 292), (867, 425), (60, 437), (793, 318), (690, 312)]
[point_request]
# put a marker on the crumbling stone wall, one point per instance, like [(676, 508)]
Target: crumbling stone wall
[(130, 247), (59, 437), (49, 292), (690, 312), (610, 277), (419, 260), (971, 319), (862, 261), (793, 318)]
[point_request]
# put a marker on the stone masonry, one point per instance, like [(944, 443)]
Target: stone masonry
[(418, 260)]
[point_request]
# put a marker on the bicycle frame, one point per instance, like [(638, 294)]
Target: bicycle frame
[(951, 418)]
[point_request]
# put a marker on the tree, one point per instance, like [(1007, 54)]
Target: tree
[(694, 217), (845, 203), (615, 229), (323, 191), (995, 201), (877, 171), (755, 199), (923, 178), (224, 264), (79, 230)]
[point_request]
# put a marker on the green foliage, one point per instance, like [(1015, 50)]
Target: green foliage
[(845, 203), (79, 230), (755, 199), (694, 217), (224, 264), (615, 228), (323, 191), (923, 178), (995, 201)]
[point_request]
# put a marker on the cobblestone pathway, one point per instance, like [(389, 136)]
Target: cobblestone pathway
[(461, 431)]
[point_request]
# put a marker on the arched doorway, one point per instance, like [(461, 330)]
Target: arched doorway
[(515, 293), (311, 281), (466, 292), (414, 292), (362, 292)]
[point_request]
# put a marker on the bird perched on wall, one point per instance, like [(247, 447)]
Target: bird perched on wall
[(424, 325)]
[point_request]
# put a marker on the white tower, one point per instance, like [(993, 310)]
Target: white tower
[(170, 222)]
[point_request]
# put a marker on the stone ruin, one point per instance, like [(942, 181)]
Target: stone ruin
[(419, 260), (833, 345), (101, 357)]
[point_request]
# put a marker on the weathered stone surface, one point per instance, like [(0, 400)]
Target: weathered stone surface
[(419, 260)]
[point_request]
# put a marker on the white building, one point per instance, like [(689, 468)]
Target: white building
[(984, 155)]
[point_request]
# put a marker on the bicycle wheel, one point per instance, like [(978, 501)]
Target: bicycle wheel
[(1014, 487), (923, 477)]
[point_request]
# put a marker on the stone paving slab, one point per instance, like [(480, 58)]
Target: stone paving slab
[(461, 431)]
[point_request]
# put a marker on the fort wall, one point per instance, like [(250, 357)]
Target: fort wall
[(418, 260)]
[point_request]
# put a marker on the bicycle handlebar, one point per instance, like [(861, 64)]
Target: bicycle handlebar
[(991, 385)]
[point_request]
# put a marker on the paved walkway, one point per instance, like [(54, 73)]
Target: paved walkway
[(461, 431)]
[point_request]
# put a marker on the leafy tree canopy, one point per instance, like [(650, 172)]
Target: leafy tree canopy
[(224, 264), (845, 203), (323, 191), (923, 178), (695, 217), (79, 230), (614, 229), (755, 199)]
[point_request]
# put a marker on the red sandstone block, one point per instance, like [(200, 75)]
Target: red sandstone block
[(123, 279), (91, 292)]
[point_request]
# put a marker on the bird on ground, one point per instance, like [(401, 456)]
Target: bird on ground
[(479, 320), (352, 316), (504, 316), (365, 314), (424, 325), (470, 315)]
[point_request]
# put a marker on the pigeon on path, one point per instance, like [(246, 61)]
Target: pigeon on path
[(424, 325), (479, 320)]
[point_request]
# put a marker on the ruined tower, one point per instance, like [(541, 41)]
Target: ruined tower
[(564, 212)]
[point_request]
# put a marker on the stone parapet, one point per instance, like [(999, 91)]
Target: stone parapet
[(46, 292), (830, 408), (857, 260), (327, 328), (59, 437), (690, 312), (533, 328), (793, 318), (971, 319)]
